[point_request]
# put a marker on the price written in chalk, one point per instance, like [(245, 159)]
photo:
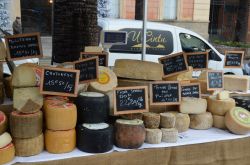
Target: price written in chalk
[(198, 60), (234, 59), (215, 80), (102, 57), (190, 90)]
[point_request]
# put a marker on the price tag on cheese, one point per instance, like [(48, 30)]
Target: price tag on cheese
[(129, 100), (198, 60), (102, 57), (59, 81), (233, 59), (215, 80), (191, 90)]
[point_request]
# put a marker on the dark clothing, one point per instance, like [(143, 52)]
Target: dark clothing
[(17, 27)]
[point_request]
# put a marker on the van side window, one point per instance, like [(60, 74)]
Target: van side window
[(191, 43)]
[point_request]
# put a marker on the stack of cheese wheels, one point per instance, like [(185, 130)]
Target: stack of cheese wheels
[(7, 149), (219, 105), (26, 122), (60, 118)]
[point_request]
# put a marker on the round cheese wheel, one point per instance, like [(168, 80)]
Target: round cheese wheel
[(30, 146), (191, 105), (57, 142), (151, 120), (132, 116), (237, 120), (94, 138), (26, 125), (129, 134), (61, 116), (5, 139), (7, 154), (54, 100), (153, 136), (3, 123), (201, 121), (169, 135), (167, 120), (219, 122), (220, 107), (182, 122), (92, 107)]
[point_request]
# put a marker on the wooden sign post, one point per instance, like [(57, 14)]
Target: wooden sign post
[(174, 64), (102, 57), (215, 80), (23, 46), (191, 90), (198, 60), (88, 69), (128, 100), (233, 59), (58, 81), (165, 93)]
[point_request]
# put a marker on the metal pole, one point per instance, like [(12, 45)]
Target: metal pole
[(144, 39)]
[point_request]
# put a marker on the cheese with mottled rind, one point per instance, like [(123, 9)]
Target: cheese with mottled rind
[(191, 105), (153, 136), (167, 120), (219, 107), (201, 121), (169, 135), (151, 120)]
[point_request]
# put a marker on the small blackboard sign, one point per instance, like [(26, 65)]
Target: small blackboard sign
[(129, 100), (215, 80), (233, 59), (102, 57), (88, 69), (165, 93), (198, 60), (174, 64), (59, 81), (24, 46), (191, 90)]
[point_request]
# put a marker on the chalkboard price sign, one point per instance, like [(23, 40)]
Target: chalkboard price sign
[(88, 69), (215, 80), (233, 59), (190, 90), (58, 81), (24, 46), (198, 60), (174, 64), (129, 100), (165, 93), (103, 57)]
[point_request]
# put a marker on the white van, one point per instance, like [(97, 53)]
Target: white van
[(162, 40)]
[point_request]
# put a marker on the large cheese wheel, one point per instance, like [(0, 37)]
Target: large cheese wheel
[(5, 139), (30, 146), (182, 76), (153, 136), (132, 116), (237, 120), (26, 125), (151, 120), (201, 121), (7, 154), (219, 107), (27, 100), (169, 135), (107, 80), (92, 107), (60, 141), (219, 122), (136, 69), (192, 105), (61, 116), (167, 120), (95, 138), (3, 123), (129, 133), (26, 75)]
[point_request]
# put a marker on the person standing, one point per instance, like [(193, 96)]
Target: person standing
[(17, 26)]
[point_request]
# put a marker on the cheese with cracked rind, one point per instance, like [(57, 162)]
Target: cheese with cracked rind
[(219, 107), (153, 136), (191, 105), (151, 120), (201, 121)]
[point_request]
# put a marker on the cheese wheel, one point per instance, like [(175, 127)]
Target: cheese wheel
[(7, 154), (132, 116), (219, 122), (129, 134), (192, 105), (237, 120), (137, 69), (57, 142), (201, 121), (223, 95), (26, 125), (236, 83), (169, 135), (95, 138), (30, 146), (182, 76), (219, 107), (167, 120), (107, 80), (5, 139), (3, 123), (27, 100), (182, 122), (61, 116), (92, 107), (153, 136), (151, 120)]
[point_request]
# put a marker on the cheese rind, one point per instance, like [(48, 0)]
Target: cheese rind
[(153, 136), (190, 105), (182, 122), (151, 120), (236, 83), (5, 139), (219, 122), (219, 107), (169, 135), (7, 154), (201, 121), (167, 120), (3, 122)]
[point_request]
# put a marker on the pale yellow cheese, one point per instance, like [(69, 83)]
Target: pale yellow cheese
[(220, 107), (153, 136), (236, 83), (219, 122), (223, 95), (201, 121), (167, 120), (169, 135), (5, 139), (192, 105)]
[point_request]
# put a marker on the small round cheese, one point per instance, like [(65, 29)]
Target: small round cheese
[(169, 135), (167, 120), (151, 120), (201, 121), (220, 107), (153, 136), (219, 122)]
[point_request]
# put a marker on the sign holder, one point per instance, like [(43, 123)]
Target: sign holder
[(228, 53)]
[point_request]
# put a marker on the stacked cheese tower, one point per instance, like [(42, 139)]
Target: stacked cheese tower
[(26, 121), (60, 117)]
